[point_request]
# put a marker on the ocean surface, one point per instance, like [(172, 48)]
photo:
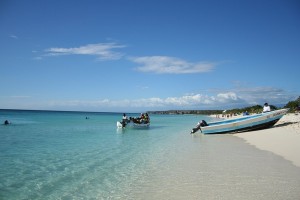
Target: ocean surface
[(63, 155)]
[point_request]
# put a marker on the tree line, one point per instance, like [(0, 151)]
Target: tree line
[(292, 105)]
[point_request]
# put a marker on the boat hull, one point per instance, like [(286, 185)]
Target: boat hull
[(133, 125), (248, 123)]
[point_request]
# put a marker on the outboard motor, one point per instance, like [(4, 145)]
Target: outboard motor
[(199, 125)]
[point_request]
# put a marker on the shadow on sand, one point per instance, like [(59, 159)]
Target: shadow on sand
[(284, 124)]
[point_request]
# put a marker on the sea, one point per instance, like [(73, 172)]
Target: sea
[(83, 155)]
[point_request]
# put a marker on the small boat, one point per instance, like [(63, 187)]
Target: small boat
[(242, 124), (138, 122)]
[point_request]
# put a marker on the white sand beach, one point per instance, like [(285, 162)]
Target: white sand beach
[(283, 139)]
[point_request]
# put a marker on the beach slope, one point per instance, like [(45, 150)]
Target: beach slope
[(282, 139)]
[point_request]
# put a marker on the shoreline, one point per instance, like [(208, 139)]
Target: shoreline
[(282, 139)]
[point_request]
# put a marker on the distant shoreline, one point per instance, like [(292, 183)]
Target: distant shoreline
[(185, 112)]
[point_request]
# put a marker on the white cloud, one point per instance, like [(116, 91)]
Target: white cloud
[(195, 101), (170, 65), (234, 98), (154, 64), (224, 97), (103, 51), (260, 95)]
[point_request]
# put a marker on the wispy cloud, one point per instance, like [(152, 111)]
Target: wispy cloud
[(103, 51), (170, 65), (151, 64), (14, 37)]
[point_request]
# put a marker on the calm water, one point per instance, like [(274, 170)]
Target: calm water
[(62, 155)]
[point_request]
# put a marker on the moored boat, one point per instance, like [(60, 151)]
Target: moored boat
[(246, 123)]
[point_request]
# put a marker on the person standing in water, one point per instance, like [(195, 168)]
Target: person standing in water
[(124, 120)]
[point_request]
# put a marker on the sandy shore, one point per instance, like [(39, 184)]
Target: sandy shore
[(283, 139)]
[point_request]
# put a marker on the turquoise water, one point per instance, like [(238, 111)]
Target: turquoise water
[(63, 155)]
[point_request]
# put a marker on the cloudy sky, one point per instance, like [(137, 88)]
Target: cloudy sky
[(133, 56)]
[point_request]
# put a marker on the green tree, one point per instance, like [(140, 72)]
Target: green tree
[(293, 105)]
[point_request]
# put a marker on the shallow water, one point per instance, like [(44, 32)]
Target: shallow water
[(62, 155)]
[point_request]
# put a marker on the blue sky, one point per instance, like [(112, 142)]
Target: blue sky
[(133, 56)]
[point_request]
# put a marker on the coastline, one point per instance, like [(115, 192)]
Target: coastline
[(282, 139)]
